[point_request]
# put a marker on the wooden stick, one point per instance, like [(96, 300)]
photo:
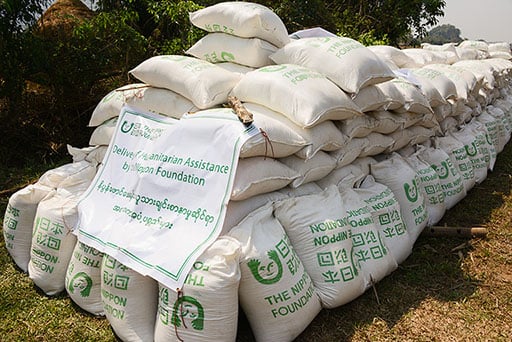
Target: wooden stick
[(455, 231)]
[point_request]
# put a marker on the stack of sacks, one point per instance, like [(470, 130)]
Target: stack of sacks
[(239, 32), (361, 149)]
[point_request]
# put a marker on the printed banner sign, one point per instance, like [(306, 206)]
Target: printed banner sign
[(160, 198)]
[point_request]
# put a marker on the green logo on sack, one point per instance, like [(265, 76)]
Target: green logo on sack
[(489, 140), (471, 150), (227, 56), (190, 308), (81, 282), (272, 272), (273, 68), (444, 171), (411, 192)]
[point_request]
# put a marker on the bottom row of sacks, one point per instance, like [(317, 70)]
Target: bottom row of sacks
[(282, 264)]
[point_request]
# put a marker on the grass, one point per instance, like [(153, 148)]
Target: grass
[(449, 289)]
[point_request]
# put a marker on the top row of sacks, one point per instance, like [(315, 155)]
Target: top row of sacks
[(239, 31)]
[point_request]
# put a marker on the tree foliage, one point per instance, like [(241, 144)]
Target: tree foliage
[(443, 34)]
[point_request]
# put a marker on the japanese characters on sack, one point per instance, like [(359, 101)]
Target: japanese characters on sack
[(206, 308), (18, 222), (396, 174), (371, 253), (276, 292), (302, 94), (320, 232), (449, 177), (430, 186), (203, 83), (53, 241), (344, 61), (242, 19), (222, 47), (130, 301), (386, 214), (142, 96), (83, 278)]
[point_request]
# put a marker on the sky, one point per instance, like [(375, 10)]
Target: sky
[(490, 20)]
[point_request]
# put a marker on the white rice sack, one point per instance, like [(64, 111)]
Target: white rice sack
[(344, 61), (203, 83), (449, 177), (236, 211), (442, 83), (147, 98), (395, 55), (506, 125), (304, 96), (464, 81), (103, 134), (207, 307), (54, 177), (396, 174), (370, 251), (323, 137), (421, 57), (420, 134), (473, 146), (52, 241), (310, 170), (91, 154), (447, 49), (430, 186), (242, 19), (358, 127), (386, 122), (222, 47), (385, 211), (345, 176), (382, 96), (460, 159), (258, 175), (466, 53), (320, 232), (18, 222), (276, 293), (283, 137), (482, 70), (501, 133), (347, 154), (493, 134), (130, 301), (401, 139), (484, 141), (426, 86), (377, 143), (500, 54), (415, 101), (83, 278), (474, 44), (499, 46)]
